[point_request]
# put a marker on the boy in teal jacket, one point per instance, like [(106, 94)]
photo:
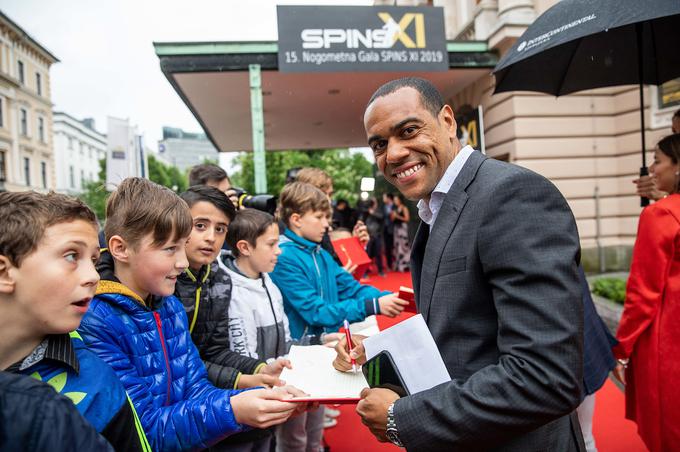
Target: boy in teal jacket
[(318, 294)]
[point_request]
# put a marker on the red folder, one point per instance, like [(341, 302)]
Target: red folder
[(351, 249), (406, 293)]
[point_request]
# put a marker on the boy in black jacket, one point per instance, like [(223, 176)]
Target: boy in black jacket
[(205, 292)]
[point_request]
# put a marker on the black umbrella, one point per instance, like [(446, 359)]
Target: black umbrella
[(585, 44)]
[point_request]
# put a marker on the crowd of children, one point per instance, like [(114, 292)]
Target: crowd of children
[(162, 340)]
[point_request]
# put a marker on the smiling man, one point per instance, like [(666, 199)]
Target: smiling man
[(494, 267)]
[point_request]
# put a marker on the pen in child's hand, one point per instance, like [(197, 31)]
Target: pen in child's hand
[(350, 346)]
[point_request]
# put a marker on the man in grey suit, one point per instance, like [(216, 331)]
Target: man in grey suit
[(494, 268)]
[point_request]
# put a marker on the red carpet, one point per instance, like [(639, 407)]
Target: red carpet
[(613, 433)]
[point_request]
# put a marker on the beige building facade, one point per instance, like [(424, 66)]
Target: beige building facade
[(587, 144), (26, 142)]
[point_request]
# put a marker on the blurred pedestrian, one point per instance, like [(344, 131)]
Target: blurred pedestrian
[(649, 338), (374, 223), (388, 227), (402, 249), (645, 186)]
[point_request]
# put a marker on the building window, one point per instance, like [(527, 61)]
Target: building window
[(669, 94), (3, 168), (20, 68), (72, 177), (2, 112), (43, 174), (38, 83), (89, 152), (41, 129), (70, 142), (24, 122), (27, 171)]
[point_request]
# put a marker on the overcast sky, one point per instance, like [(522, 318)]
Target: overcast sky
[(108, 65)]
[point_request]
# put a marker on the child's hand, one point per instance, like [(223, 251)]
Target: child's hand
[(361, 231), (349, 267), (391, 305), (275, 367), (330, 340), (250, 381), (343, 361), (302, 406), (262, 408)]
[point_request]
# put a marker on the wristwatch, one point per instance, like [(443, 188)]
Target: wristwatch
[(392, 433)]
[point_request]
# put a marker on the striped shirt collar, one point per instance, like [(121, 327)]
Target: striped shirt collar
[(57, 347)]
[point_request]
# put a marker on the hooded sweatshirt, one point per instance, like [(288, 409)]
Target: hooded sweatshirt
[(258, 326)]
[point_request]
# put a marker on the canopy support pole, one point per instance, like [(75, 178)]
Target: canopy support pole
[(257, 121)]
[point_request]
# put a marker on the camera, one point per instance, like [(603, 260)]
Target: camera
[(241, 199)]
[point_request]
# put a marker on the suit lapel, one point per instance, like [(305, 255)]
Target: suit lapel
[(417, 253), (448, 215)]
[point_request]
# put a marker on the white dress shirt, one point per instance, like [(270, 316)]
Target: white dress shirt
[(428, 211)]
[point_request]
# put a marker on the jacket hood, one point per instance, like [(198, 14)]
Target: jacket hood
[(238, 279), (289, 238), (110, 285)]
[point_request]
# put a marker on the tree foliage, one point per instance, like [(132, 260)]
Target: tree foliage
[(167, 176), (346, 170), (95, 194)]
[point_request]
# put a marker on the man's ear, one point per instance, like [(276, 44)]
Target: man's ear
[(7, 282), (119, 248), (446, 115), (244, 248)]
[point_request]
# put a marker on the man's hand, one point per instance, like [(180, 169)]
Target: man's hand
[(343, 361), (620, 373), (262, 408), (360, 230), (373, 410), (275, 367), (251, 381), (647, 188), (391, 305)]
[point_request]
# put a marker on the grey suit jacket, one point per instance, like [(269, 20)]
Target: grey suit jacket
[(496, 280)]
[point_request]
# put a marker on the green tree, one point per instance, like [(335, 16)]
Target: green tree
[(346, 169), (94, 192), (167, 176)]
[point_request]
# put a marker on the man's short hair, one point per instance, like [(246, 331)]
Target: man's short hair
[(315, 176), (677, 113), (248, 225), (139, 207), (206, 172), (206, 193), (389, 195), (26, 215), (300, 198), (430, 96)]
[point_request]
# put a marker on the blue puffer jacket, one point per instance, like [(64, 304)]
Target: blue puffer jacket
[(318, 294), (152, 353)]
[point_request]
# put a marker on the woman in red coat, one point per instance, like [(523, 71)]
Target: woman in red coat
[(649, 332)]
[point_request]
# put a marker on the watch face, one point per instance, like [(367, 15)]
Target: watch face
[(393, 437)]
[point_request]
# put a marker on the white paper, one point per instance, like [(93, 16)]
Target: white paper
[(313, 373), (369, 327), (414, 352)]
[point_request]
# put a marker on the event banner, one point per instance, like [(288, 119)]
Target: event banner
[(470, 123), (361, 38)]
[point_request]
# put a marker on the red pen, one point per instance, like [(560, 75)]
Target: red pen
[(350, 346)]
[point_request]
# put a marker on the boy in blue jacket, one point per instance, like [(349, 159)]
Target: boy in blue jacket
[(318, 294), (136, 324), (48, 247)]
